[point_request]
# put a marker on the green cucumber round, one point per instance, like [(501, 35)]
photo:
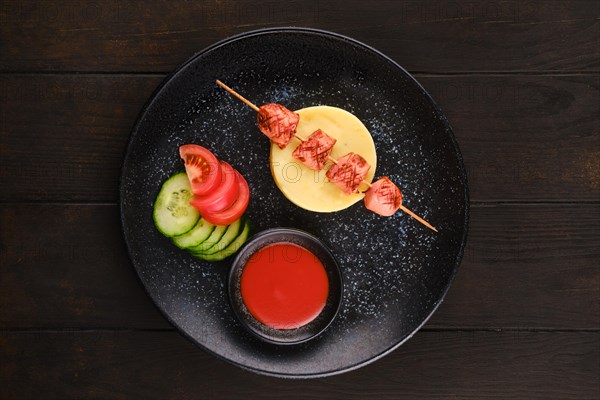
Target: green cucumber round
[(232, 232), (231, 249), (197, 235), (173, 215), (213, 239)]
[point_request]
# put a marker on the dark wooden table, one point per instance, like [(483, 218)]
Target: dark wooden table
[(519, 82)]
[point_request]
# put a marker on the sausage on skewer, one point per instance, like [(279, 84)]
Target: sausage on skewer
[(383, 197), (348, 172), (279, 124), (315, 151)]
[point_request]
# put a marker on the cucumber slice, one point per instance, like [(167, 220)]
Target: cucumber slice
[(231, 233), (213, 239), (173, 215), (231, 249), (198, 234)]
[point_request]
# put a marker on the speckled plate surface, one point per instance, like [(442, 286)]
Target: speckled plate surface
[(395, 271)]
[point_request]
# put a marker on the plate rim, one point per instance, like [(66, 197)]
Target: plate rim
[(314, 31)]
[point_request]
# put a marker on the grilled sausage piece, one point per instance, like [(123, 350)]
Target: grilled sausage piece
[(349, 172), (315, 150), (277, 123)]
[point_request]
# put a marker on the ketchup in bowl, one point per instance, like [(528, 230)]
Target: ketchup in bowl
[(284, 286)]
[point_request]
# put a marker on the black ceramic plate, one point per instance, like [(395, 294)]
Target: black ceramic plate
[(395, 271)]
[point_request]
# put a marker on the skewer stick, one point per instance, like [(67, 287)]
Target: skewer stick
[(409, 212), (249, 103), (239, 96), (415, 216), (300, 138)]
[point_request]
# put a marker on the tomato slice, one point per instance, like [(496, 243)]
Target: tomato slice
[(383, 197), (236, 210), (202, 168), (223, 196)]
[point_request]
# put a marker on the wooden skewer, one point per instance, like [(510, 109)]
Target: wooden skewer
[(239, 96), (409, 212), (415, 216), (255, 108)]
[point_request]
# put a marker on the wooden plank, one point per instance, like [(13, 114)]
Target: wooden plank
[(525, 266), (432, 365), (67, 134), (440, 36), (67, 266), (525, 138)]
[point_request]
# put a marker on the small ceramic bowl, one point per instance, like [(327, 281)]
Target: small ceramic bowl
[(302, 333)]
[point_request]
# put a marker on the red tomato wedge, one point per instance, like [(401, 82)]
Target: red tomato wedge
[(383, 197), (202, 168), (223, 196), (236, 210)]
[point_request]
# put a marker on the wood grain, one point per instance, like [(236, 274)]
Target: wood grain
[(66, 266), (440, 36), (523, 138), (525, 266), (432, 365), (67, 134)]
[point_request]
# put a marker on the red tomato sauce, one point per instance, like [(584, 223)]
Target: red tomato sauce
[(284, 286)]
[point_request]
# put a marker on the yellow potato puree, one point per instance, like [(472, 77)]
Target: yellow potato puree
[(311, 189)]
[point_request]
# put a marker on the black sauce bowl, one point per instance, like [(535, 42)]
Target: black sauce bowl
[(332, 304)]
